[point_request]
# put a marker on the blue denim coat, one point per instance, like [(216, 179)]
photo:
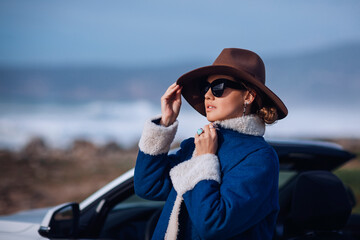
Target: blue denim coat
[(230, 195)]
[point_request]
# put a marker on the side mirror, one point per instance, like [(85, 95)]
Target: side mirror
[(61, 221)]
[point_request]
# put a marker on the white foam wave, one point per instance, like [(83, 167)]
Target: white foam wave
[(122, 122), (59, 125)]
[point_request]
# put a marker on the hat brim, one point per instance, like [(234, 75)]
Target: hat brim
[(191, 86)]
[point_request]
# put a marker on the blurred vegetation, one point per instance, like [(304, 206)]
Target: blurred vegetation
[(350, 172), (39, 176)]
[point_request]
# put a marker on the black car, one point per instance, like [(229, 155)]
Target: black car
[(314, 204)]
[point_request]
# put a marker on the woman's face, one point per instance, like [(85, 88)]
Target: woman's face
[(229, 105)]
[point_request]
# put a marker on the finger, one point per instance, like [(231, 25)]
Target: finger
[(175, 85), (196, 138), (213, 133), (170, 92), (172, 87), (206, 130), (212, 128), (179, 89), (175, 90), (178, 92)]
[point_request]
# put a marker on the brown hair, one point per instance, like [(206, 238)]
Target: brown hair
[(263, 106), (268, 114)]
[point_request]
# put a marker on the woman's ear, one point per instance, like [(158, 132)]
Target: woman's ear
[(250, 96)]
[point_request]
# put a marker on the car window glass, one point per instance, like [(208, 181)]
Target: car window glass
[(285, 176), (134, 200), (129, 218)]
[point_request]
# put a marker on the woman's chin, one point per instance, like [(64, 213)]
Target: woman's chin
[(211, 118)]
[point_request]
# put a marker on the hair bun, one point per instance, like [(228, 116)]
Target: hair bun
[(268, 114)]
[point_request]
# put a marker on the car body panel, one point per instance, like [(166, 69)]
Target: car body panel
[(11, 230), (28, 216)]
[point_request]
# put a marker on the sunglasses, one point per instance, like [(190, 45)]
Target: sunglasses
[(219, 85)]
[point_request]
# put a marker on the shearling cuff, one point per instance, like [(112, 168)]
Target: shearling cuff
[(156, 139), (186, 175)]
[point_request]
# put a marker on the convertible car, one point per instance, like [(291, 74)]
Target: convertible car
[(314, 204)]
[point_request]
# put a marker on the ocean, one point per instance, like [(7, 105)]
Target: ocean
[(122, 122)]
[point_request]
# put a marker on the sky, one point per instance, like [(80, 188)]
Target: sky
[(140, 32)]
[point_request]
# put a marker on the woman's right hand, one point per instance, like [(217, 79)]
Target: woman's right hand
[(207, 141), (170, 105)]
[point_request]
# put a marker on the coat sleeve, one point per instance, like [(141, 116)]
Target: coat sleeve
[(244, 196), (151, 178)]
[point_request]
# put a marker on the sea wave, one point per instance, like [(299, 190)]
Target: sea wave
[(122, 122)]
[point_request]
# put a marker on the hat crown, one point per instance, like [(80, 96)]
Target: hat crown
[(243, 60)]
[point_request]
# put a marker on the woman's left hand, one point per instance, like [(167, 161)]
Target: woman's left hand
[(206, 142)]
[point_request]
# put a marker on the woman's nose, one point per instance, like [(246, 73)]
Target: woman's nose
[(209, 95)]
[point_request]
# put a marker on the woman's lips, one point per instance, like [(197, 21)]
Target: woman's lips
[(210, 108)]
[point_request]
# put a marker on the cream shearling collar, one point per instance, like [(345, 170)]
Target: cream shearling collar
[(249, 124)]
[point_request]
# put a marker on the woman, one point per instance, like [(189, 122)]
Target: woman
[(223, 183)]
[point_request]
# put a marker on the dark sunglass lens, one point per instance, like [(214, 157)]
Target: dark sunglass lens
[(218, 89), (204, 88)]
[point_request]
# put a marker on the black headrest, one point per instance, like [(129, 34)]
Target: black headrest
[(320, 202)]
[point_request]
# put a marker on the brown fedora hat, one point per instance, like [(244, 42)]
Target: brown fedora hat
[(243, 65)]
